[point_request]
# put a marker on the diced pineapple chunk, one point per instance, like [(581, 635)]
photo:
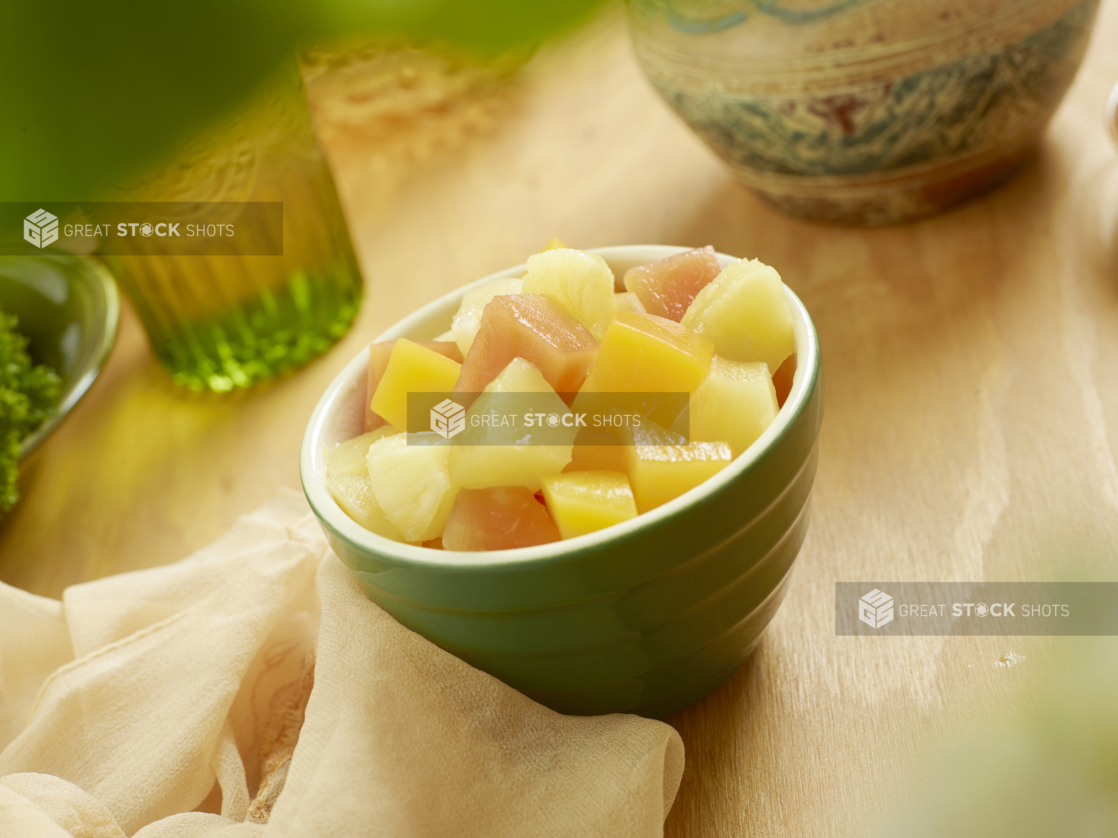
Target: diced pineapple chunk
[(379, 355), (588, 501), (477, 463), (659, 472), (555, 244), (582, 283), (735, 404), (533, 327), (642, 353), (501, 518), (412, 484), (350, 457), (411, 369), (744, 311), (354, 494), (627, 301), (668, 286), (465, 324)]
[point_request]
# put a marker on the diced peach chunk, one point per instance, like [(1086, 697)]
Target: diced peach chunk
[(642, 353), (588, 501), (533, 327), (660, 472), (500, 518), (735, 404), (379, 354), (581, 283), (744, 311), (597, 449), (411, 369), (668, 286)]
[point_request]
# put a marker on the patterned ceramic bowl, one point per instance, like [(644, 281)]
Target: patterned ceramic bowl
[(864, 111), (648, 616)]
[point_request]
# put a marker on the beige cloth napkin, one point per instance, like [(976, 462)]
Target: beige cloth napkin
[(253, 690)]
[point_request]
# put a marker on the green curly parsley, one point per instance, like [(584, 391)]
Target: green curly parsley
[(28, 395)]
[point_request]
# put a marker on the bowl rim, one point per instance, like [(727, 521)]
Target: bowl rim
[(331, 516), (101, 282)]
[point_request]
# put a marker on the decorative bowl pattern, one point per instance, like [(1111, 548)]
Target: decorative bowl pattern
[(648, 616), (864, 111)]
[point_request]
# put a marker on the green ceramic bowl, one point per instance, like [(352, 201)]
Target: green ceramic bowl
[(648, 616), (68, 307)]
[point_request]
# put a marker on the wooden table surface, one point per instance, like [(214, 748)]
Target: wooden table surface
[(971, 401)]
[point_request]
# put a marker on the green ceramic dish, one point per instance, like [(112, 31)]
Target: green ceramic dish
[(648, 616), (68, 307)]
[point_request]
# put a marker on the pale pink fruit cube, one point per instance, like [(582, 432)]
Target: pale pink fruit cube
[(535, 328), (500, 518), (668, 286)]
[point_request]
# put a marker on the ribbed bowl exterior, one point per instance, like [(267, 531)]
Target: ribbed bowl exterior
[(648, 622)]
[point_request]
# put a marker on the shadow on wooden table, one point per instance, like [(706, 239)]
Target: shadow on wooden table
[(712, 775)]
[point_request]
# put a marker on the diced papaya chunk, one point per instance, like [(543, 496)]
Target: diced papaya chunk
[(354, 494), (465, 324), (412, 484), (588, 501), (533, 327), (411, 369), (350, 457), (744, 311), (485, 456), (659, 472), (735, 404), (668, 286), (379, 354), (581, 283), (499, 518)]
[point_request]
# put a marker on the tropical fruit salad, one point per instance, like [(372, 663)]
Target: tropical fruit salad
[(543, 352)]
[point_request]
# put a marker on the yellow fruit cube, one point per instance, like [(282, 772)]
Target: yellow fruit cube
[(581, 283), (411, 369), (660, 472), (627, 301), (354, 494), (744, 311), (350, 457), (484, 456), (735, 404), (642, 353), (555, 244), (588, 501), (411, 483)]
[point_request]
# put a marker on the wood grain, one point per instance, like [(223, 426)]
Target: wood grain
[(971, 369)]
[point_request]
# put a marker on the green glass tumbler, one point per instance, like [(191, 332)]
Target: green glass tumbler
[(221, 322)]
